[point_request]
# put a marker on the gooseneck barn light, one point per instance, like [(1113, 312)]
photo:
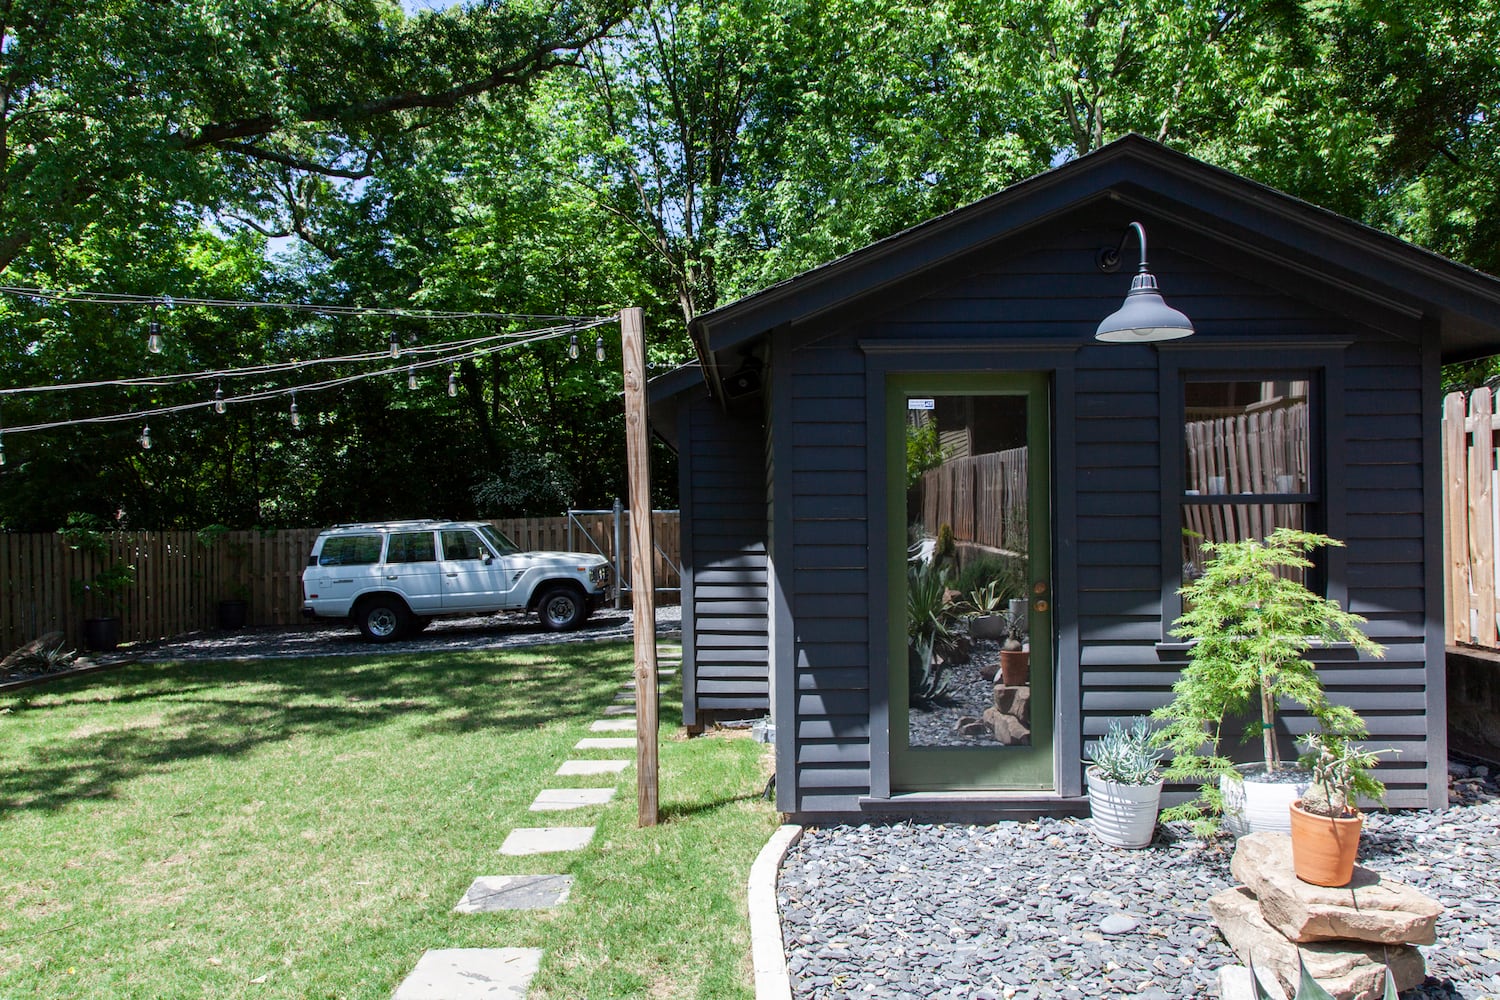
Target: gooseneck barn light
[(1144, 318)]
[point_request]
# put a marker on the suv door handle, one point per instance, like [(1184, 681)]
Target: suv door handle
[(393, 576), (454, 575)]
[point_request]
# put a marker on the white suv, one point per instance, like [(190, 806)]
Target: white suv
[(394, 577)]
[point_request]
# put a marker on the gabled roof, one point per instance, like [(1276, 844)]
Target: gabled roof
[(1462, 303)]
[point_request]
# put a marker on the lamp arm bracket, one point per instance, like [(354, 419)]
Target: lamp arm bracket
[(1108, 258)]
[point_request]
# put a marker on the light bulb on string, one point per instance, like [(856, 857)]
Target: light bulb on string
[(395, 346), (453, 383), (146, 437), (411, 376), (219, 405), (599, 349), (573, 347), (295, 416), (2, 449), (153, 337)]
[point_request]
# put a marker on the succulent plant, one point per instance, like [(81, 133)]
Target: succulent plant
[(1124, 755)]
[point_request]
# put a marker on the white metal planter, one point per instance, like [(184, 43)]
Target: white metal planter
[(1123, 815)]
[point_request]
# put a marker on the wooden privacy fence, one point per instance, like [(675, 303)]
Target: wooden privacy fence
[(180, 580), (1469, 517), (1231, 462), (981, 498)]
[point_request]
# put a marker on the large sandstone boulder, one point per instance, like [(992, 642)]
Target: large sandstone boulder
[(1370, 908), (1348, 970)]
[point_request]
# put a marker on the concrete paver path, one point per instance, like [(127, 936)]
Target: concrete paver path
[(471, 974)]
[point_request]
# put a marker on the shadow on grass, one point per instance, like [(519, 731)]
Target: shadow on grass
[(686, 810), (97, 732)]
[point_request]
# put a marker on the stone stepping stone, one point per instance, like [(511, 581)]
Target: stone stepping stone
[(471, 974), (574, 768), (556, 799), (612, 726), (546, 840), (627, 697), (490, 893), (619, 709), (605, 743)]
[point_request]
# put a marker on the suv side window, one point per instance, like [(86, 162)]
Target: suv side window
[(462, 544), (350, 550), (411, 547)]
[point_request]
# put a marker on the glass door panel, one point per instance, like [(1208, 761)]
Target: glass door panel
[(971, 670)]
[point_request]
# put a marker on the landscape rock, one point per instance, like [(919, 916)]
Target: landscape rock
[(1014, 701), (1371, 907), (1348, 970), (1008, 729), (968, 725)]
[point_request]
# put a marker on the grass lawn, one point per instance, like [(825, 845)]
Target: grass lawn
[(303, 829)]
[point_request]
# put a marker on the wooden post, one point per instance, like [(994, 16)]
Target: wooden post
[(1456, 452), (642, 577)]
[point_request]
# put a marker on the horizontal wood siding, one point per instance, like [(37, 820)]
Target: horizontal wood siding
[(1052, 293), (726, 652), (830, 575)]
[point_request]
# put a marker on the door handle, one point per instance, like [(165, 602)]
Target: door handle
[(453, 576), (393, 576)]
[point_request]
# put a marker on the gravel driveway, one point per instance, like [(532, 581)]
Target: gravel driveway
[(508, 631)]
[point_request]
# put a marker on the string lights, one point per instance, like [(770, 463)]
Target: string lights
[(153, 336), (471, 349), (573, 347), (599, 349), (145, 437), (219, 405), (169, 301), (296, 418)]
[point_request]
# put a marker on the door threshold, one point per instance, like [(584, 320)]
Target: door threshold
[(974, 806)]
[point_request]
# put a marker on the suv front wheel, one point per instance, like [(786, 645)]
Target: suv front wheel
[(562, 608), (383, 619)]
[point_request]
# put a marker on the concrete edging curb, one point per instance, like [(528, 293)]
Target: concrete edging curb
[(766, 951)]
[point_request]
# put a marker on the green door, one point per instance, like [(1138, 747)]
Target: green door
[(969, 486)]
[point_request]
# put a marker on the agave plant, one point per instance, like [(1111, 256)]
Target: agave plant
[(1308, 988)]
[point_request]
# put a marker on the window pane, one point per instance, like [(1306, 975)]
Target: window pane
[(1232, 523), (1247, 437), (350, 550), (411, 546), (462, 545)]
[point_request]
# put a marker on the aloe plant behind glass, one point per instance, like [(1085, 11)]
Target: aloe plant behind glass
[(929, 631), (1251, 622)]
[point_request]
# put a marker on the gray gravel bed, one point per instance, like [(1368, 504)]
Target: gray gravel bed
[(1031, 910), (969, 694)]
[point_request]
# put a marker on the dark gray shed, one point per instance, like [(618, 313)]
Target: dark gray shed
[(949, 376)]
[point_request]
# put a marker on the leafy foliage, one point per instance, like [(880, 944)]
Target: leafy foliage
[(1251, 625)]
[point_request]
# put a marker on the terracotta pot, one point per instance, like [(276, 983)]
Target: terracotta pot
[(1015, 667), (1324, 847)]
